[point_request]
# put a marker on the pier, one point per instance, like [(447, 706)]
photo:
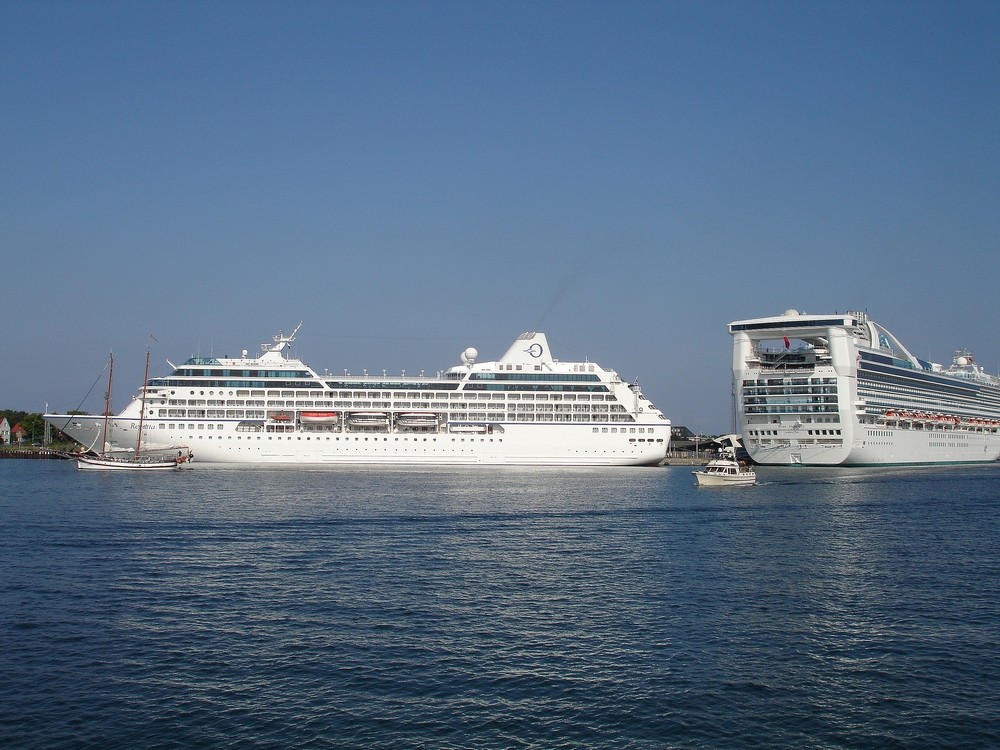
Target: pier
[(36, 453)]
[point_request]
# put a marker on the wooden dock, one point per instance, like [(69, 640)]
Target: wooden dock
[(36, 453)]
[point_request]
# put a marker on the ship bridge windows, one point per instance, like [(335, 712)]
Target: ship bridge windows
[(789, 324), (539, 378), (429, 385)]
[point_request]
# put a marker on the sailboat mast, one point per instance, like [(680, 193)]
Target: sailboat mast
[(142, 413), (107, 403)]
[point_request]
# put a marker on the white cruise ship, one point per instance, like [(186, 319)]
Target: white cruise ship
[(525, 408), (836, 389)]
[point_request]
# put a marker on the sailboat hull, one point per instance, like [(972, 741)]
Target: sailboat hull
[(126, 464)]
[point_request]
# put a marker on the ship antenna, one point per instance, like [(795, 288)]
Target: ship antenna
[(281, 340)]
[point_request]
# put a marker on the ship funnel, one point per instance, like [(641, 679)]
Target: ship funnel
[(531, 348)]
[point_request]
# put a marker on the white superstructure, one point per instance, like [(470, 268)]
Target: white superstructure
[(524, 408), (841, 389)]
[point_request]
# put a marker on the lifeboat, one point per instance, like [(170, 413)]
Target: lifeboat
[(417, 419), (280, 418), (469, 429), (318, 417), (368, 419)]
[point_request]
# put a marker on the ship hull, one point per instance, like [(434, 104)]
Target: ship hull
[(885, 448)]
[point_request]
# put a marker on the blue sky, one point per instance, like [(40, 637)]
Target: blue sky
[(413, 178)]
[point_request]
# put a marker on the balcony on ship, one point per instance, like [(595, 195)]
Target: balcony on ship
[(804, 358)]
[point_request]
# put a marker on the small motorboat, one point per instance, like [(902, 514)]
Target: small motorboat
[(725, 471)]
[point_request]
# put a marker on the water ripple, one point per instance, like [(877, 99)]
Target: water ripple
[(498, 609)]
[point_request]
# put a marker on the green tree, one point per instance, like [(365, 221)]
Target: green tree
[(34, 426)]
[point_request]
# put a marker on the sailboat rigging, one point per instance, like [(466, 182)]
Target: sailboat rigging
[(107, 460)]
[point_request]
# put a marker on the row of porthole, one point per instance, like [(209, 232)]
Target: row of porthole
[(347, 439)]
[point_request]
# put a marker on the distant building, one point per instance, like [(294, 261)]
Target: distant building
[(682, 439), (18, 433), (4, 431)]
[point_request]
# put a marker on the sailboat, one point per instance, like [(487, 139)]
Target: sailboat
[(135, 461)]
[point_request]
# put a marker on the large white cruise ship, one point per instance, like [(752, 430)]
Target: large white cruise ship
[(525, 408), (840, 389)]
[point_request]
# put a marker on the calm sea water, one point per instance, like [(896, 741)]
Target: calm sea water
[(498, 608)]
